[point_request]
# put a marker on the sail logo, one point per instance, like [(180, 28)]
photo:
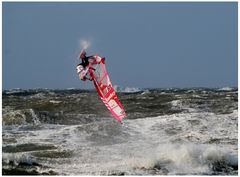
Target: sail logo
[(110, 96)]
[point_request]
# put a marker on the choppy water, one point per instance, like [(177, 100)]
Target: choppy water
[(168, 132)]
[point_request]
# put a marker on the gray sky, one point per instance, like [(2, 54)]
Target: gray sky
[(146, 45)]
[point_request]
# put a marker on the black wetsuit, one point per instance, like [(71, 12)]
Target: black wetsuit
[(85, 61)]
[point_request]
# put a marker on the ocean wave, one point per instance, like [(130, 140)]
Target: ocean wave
[(181, 159), (126, 89), (166, 132), (23, 164), (226, 89), (19, 117)]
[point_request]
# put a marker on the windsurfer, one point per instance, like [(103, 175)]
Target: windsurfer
[(81, 68), (84, 58), (93, 68)]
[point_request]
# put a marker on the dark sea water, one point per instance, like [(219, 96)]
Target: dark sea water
[(167, 132)]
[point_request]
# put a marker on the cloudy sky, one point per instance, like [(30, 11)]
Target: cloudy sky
[(146, 45)]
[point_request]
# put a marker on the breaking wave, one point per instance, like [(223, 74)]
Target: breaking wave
[(180, 159), (126, 89), (226, 89), (19, 117)]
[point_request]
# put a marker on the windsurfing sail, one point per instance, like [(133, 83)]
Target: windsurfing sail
[(103, 85)]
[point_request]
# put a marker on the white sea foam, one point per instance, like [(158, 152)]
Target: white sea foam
[(126, 89), (20, 117), (173, 153), (176, 103), (182, 158), (17, 158), (55, 101), (179, 143), (38, 95), (145, 92), (225, 89), (71, 88)]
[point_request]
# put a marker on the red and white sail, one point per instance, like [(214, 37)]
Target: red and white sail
[(105, 89)]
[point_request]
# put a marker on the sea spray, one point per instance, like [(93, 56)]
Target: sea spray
[(85, 44), (183, 159)]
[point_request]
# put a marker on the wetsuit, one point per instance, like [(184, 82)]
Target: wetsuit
[(85, 61)]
